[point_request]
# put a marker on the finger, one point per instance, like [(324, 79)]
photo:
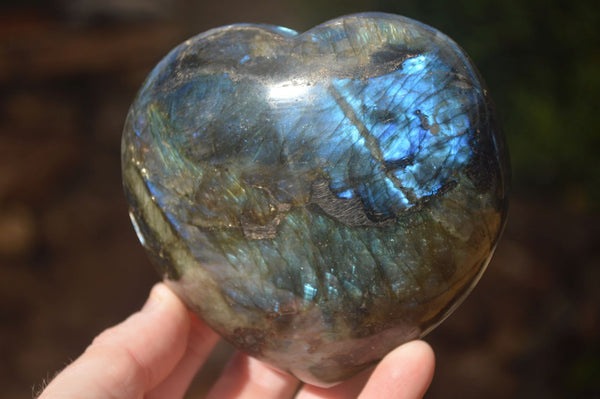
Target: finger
[(201, 342), (245, 378), (404, 373), (127, 360), (347, 389)]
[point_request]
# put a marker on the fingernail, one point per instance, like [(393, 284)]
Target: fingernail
[(154, 299)]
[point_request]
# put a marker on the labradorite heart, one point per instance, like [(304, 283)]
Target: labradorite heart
[(317, 198)]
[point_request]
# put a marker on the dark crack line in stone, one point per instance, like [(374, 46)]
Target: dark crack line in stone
[(371, 142), (422, 97)]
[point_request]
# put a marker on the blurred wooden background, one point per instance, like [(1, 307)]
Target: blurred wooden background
[(70, 264)]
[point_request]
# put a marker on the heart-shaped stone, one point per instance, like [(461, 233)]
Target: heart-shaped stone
[(317, 198)]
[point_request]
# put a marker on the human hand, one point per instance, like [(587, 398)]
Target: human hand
[(156, 352)]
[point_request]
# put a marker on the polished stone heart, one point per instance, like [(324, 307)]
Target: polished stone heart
[(317, 198)]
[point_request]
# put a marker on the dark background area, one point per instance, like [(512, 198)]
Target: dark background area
[(70, 264)]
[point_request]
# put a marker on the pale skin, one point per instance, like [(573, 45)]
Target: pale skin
[(156, 352)]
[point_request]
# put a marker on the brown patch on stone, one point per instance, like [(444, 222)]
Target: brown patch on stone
[(249, 340)]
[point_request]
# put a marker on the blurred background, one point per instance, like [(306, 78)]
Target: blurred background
[(70, 264)]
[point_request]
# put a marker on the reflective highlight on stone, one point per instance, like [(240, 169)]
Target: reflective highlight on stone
[(317, 198)]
